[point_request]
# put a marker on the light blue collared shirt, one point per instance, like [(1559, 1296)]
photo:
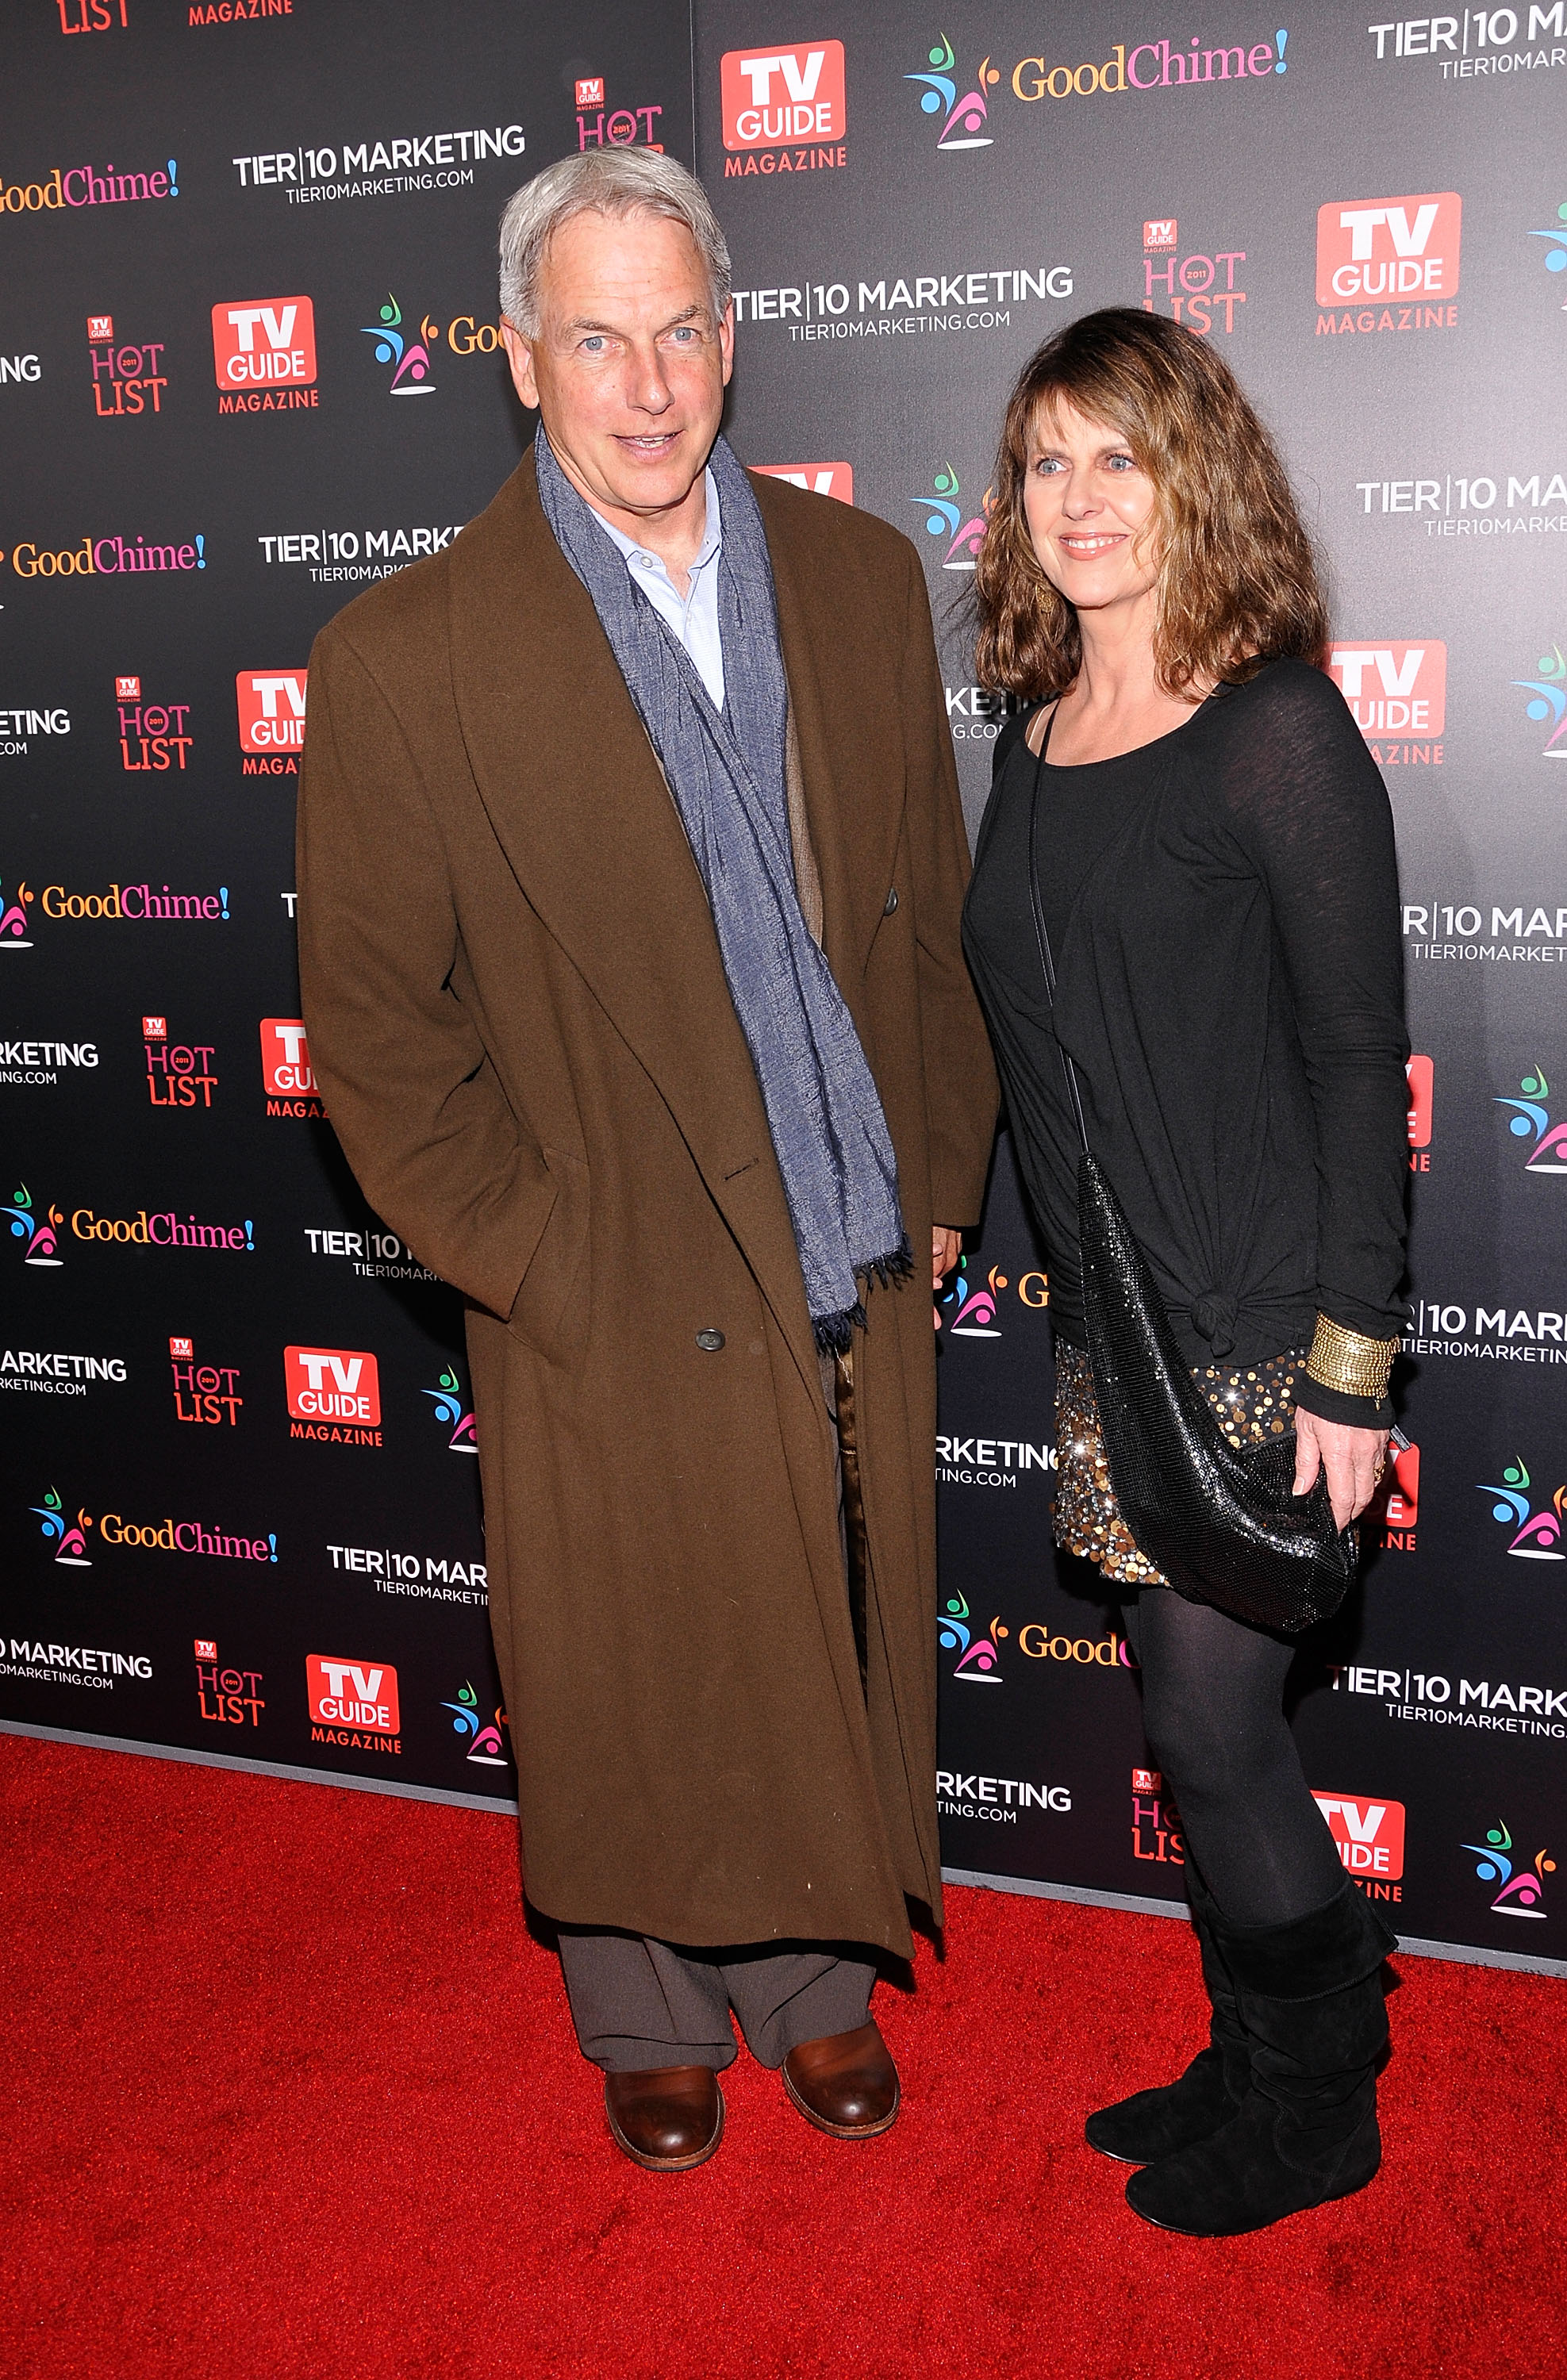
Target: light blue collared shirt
[(693, 615)]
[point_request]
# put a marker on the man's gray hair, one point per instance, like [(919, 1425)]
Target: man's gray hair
[(609, 182)]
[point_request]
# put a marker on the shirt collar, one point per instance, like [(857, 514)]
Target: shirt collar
[(712, 535)]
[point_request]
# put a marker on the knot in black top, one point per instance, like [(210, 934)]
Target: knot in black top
[(1213, 1315)]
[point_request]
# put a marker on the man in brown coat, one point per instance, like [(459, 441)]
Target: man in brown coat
[(630, 865)]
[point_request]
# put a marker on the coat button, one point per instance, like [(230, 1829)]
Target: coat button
[(892, 903), (709, 1342)]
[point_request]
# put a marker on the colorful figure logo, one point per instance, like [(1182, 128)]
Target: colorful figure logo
[(38, 1231), (485, 1744), (13, 921), (1556, 252), (448, 1402), (979, 1661), (1532, 1120), (973, 1314), (1519, 1895), (1549, 693), (943, 518), (1537, 1536), (411, 377), (68, 1538), (963, 119)]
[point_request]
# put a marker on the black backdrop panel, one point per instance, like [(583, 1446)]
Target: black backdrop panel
[(243, 1512), (249, 363)]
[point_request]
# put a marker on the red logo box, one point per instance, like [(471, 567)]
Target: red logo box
[(774, 96), (590, 90), (287, 1071), (1369, 1834), (1392, 688), (206, 1650), (271, 710), (155, 1029), (1403, 1508), (1160, 232), (822, 479), (99, 327), (1388, 249), (181, 1351), (128, 689), (264, 342), (352, 1693), (1421, 1076), (332, 1384)]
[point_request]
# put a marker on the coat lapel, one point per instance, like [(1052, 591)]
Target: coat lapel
[(855, 841), (577, 802)]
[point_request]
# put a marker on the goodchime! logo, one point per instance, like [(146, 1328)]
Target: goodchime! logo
[(66, 1538), (1537, 1535), (1547, 701), (944, 519), (449, 1403), (973, 1303), (1519, 1895), (14, 935), (1531, 1121), (979, 1661), (1556, 250), (964, 121), (37, 1232), (408, 356), (485, 1742)]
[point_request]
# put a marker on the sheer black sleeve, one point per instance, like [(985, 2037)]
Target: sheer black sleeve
[(1309, 807)]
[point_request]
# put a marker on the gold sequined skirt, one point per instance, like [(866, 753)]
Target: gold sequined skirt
[(1255, 1404)]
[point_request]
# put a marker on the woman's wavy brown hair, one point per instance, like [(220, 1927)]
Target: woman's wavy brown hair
[(1238, 581)]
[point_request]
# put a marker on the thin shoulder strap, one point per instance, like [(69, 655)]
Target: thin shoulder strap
[(1041, 932)]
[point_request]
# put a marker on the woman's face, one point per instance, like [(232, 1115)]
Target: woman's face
[(1090, 511)]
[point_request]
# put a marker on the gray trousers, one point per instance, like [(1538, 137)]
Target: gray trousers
[(639, 2004)]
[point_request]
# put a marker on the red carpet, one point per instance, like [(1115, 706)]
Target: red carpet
[(290, 2094)]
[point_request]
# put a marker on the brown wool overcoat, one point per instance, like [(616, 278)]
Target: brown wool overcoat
[(520, 1023)]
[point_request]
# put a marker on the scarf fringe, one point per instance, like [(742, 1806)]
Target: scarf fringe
[(834, 1333)]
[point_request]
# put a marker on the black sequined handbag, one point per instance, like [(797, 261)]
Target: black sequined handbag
[(1219, 1520)]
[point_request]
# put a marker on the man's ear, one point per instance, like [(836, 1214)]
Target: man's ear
[(519, 355)]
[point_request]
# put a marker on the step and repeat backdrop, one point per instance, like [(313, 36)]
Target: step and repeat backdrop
[(251, 364)]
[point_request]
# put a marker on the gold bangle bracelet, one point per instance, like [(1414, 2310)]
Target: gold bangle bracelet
[(1347, 1361)]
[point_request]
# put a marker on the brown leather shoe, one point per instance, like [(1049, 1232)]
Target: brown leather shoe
[(667, 2118), (845, 2083)]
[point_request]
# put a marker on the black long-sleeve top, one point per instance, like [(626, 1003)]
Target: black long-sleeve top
[(1222, 908)]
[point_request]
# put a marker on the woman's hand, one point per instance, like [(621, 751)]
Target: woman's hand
[(1351, 1460)]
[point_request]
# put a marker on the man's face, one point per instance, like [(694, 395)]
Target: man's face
[(630, 368)]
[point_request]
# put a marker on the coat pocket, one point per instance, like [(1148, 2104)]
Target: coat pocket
[(550, 1311)]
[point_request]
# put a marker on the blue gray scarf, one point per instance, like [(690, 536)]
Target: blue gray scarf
[(726, 771)]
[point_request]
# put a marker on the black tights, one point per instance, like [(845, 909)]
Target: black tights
[(1213, 1715)]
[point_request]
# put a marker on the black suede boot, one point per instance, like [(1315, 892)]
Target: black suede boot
[(1152, 2124), (1309, 1994)]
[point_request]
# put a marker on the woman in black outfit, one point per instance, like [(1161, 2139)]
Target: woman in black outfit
[(1216, 863)]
